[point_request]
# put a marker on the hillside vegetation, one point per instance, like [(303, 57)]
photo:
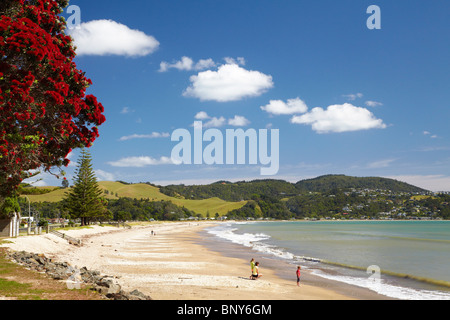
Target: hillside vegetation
[(245, 190), (331, 197), (330, 182), (116, 190)]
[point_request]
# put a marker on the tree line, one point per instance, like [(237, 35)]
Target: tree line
[(344, 205), (244, 190)]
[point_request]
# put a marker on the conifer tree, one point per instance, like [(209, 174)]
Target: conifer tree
[(84, 200)]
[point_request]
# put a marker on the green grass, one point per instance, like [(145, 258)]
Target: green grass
[(422, 197), (22, 291), (16, 282), (11, 288), (145, 191)]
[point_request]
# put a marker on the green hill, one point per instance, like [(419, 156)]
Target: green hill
[(223, 197), (237, 191), (117, 190), (246, 190), (329, 182)]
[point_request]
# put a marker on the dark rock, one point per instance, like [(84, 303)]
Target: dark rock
[(137, 295), (63, 271)]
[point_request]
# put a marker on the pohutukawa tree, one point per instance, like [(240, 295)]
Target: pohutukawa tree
[(44, 109)]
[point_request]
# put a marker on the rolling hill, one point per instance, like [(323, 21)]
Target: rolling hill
[(244, 190), (222, 197), (145, 191), (329, 182)]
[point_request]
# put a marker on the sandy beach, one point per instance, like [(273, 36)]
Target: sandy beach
[(169, 262)]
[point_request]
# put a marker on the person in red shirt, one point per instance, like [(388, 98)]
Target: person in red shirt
[(298, 275)]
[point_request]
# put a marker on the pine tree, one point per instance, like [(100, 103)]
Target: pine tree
[(84, 200)]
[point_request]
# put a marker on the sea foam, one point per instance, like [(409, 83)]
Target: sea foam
[(258, 242)]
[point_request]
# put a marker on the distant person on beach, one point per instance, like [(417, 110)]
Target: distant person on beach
[(256, 274), (252, 265), (298, 275)]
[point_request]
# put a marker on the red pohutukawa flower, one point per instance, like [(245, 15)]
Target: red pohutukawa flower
[(44, 109)]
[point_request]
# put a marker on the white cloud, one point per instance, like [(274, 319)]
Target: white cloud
[(204, 64), (381, 163), (202, 115), (373, 104), (36, 182), (229, 83), (292, 106), (340, 118), (153, 135), (214, 122), (42, 179), (140, 162), (238, 121), (432, 136), (187, 64), (107, 37), (126, 110), (353, 96), (239, 60), (104, 176)]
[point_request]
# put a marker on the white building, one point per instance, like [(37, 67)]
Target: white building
[(10, 227)]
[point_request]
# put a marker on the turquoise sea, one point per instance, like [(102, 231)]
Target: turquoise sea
[(398, 259)]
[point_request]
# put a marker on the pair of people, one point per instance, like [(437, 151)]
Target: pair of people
[(255, 270)]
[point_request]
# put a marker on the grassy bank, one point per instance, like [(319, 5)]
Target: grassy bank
[(117, 190), (18, 283)]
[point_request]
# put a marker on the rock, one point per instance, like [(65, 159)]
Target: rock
[(137, 295), (41, 260), (57, 276), (118, 296), (134, 295), (108, 287), (63, 271)]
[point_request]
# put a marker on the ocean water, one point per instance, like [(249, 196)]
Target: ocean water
[(407, 260)]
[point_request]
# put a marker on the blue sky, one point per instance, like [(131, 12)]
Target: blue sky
[(345, 99)]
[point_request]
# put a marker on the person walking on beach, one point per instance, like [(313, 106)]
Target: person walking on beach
[(255, 273), (298, 275)]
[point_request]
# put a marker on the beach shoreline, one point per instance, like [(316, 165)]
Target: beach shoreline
[(176, 261)]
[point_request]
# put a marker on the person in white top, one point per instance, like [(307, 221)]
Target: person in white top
[(256, 274)]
